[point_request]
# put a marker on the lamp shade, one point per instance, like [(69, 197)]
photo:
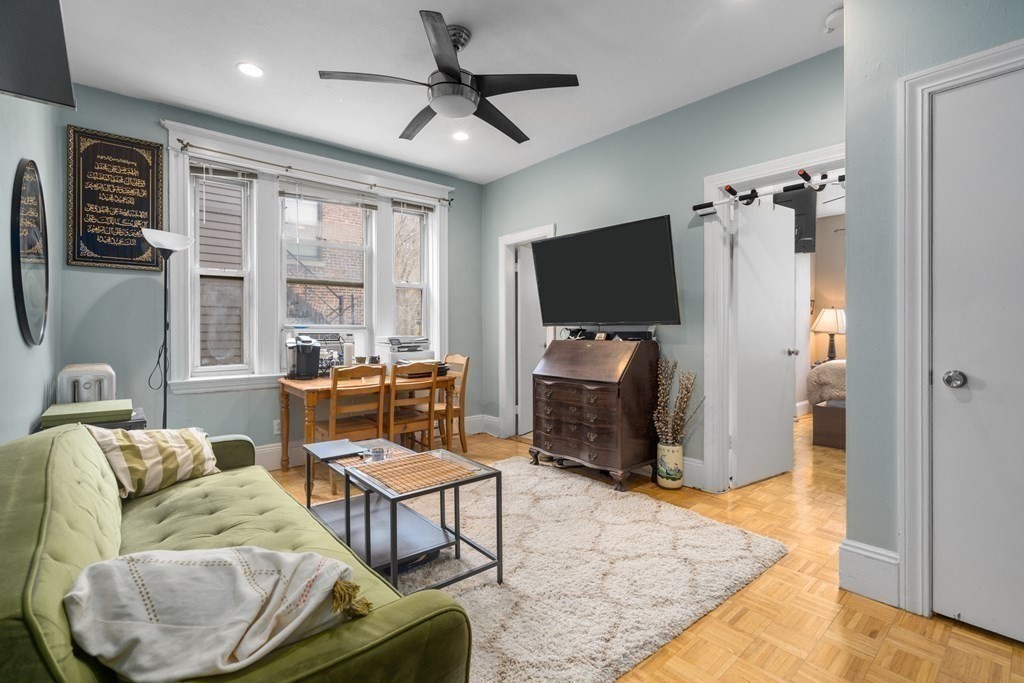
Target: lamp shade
[(164, 241), (830, 321)]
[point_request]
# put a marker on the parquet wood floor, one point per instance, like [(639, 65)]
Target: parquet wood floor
[(794, 623)]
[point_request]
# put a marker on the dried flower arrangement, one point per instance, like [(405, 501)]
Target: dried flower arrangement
[(671, 422)]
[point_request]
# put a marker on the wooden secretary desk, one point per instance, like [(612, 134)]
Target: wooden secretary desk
[(593, 404)]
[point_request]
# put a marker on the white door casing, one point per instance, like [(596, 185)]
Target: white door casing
[(531, 337), (764, 325), (507, 245), (977, 315), (918, 94), (718, 346)]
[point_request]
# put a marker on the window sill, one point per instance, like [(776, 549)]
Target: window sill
[(210, 385)]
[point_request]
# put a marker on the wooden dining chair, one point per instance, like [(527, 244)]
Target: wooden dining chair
[(357, 407), (458, 367), (411, 394)]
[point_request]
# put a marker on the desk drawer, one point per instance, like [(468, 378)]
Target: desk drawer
[(560, 391), (592, 454), (575, 412)]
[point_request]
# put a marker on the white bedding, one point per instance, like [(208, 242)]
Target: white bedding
[(827, 382)]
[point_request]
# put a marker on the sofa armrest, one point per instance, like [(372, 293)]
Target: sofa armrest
[(233, 451)]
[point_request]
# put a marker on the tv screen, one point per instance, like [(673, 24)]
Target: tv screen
[(33, 56), (619, 275)]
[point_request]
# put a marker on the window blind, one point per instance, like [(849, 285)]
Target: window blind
[(220, 210)]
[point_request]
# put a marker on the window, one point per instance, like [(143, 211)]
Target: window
[(286, 239), (222, 212), (409, 268), (325, 259)]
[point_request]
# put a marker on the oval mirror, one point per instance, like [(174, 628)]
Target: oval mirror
[(29, 253)]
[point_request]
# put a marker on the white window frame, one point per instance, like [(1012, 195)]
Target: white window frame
[(248, 230), (369, 268), (423, 285), (277, 166)]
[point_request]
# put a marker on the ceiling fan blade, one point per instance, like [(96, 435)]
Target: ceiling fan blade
[(490, 114), (417, 123), (365, 78), (441, 43), (499, 84)]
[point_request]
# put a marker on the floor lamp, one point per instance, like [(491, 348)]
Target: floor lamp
[(831, 321), (166, 244)]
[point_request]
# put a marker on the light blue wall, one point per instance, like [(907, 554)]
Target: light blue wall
[(29, 130), (884, 41), (658, 167), (114, 317)]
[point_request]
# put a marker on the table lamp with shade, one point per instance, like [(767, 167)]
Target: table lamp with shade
[(831, 321), (166, 244)]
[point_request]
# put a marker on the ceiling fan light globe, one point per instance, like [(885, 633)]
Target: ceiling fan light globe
[(453, 100)]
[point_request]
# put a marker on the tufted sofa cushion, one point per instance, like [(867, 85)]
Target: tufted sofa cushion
[(60, 512), (239, 507)]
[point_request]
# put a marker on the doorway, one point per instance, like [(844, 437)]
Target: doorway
[(514, 332), (750, 378)]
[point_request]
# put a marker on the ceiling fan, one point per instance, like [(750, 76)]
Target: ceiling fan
[(454, 92)]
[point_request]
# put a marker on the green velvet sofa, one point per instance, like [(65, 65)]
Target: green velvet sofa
[(59, 512)]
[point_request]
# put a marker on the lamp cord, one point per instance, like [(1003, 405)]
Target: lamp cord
[(161, 356)]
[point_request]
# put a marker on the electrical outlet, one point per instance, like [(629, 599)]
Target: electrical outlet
[(277, 428)]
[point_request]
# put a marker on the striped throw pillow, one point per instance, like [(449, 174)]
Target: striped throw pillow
[(147, 460)]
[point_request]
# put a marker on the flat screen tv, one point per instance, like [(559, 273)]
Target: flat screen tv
[(33, 55), (619, 275)]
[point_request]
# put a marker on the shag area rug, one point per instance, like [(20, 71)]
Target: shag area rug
[(595, 581)]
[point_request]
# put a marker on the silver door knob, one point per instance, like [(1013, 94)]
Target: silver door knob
[(792, 352), (954, 379)]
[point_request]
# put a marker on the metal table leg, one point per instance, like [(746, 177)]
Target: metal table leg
[(348, 509), (309, 483), (497, 506), (458, 534), (394, 544), (366, 519)]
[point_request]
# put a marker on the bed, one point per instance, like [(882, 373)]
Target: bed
[(827, 382)]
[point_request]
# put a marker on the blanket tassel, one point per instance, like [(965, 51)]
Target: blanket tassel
[(345, 596)]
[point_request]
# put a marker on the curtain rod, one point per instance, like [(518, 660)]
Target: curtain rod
[(186, 146)]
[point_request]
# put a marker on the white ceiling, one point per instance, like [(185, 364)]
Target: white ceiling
[(635, 60)]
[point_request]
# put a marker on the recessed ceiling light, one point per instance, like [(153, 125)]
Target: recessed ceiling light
[(250, 69), (460, 135)]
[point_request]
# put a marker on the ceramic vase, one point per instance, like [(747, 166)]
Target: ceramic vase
[(670, 466)]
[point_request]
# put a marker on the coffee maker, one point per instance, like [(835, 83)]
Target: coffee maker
[(303, 355)]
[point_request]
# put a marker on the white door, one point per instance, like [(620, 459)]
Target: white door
[(977, 322), (764, 333), (531, 337)]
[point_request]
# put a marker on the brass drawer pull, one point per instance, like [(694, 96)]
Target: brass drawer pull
[(591, 455), (546, 426), (591, 417), (591, 398), (592, 436), (547, 444), (573, 427), (573, 409), (547, 393), (548, 410)]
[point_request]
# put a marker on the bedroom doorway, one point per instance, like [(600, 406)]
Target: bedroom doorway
[(762, 333)]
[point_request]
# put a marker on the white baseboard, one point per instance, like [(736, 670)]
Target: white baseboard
[(802, 408), (693, 473), (870, 571), (268, 456), (483, 424)]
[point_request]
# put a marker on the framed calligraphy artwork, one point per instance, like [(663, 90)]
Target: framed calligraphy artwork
[(115, 188)]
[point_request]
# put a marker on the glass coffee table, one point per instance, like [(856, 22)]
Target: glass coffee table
[(385, 532)]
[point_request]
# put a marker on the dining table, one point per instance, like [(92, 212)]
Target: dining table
[(312, 391)]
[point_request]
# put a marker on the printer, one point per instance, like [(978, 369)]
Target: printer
[(408, 348)]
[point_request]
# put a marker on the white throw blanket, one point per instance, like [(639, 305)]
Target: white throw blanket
[(167, 615)]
